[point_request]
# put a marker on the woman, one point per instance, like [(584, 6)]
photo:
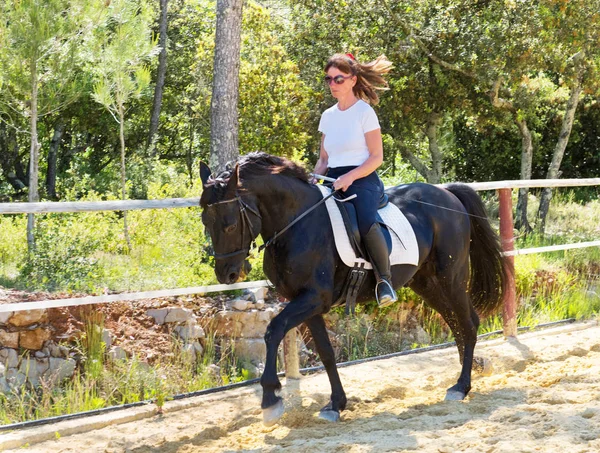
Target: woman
[(352, 149)]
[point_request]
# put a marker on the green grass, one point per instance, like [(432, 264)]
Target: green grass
[(102, 383)]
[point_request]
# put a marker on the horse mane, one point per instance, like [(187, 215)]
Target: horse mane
[(253, 166), (258, 164)]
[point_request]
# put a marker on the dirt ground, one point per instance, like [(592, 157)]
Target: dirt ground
[(544, 395)]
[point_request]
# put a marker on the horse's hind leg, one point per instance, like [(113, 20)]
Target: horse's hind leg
[(448, 295), (337, 403)]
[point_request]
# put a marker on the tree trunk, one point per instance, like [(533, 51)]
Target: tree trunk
[(9, 156), (123, 174), (160, 78), (559, 152), (433, 121), (34, 155), (521, 222), (223, 105), (52, 160), (189, 158)]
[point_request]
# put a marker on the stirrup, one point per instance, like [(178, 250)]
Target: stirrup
[(387, 300)]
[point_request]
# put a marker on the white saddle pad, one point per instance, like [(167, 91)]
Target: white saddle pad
[(405, 252)]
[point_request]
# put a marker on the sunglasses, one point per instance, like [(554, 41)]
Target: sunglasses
[(338, 79)]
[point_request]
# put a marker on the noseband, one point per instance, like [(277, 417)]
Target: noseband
[(244, 208)]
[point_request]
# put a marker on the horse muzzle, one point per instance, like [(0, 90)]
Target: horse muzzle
[(231, 273)]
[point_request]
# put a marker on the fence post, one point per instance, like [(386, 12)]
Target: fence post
[(291, 355), (509, 312)]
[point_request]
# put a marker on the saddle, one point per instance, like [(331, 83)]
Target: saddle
[(397, 231), (348, 212)]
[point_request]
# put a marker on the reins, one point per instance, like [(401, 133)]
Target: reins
[(296, 220), (244, 207)]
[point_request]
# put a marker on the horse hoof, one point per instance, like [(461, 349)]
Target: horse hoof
[(454, 395), (330, 415), (483, 367), (487, 368), (271, 415)]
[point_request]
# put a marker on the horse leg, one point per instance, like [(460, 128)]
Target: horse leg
[(297, 311), (452, 302), (338, 400)]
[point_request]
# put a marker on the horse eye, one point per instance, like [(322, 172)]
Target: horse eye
[(230, 228)]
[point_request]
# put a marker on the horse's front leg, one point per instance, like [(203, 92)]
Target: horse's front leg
[(338, 400), (298, 310)]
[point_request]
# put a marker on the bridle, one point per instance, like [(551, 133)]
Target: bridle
[(244, 208), (246, 223)]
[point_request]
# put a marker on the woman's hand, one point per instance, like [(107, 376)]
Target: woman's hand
[(343, 182)]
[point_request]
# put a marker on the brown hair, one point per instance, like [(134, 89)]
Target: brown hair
[(369, 76)]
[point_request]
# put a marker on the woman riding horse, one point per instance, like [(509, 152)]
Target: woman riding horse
[(461, 271), (352, 150)]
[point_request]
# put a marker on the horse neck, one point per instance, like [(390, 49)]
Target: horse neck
[(280, 200)]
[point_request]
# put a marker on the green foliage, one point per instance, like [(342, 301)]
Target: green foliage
[(63, 259), (121, 47), (13, 244)]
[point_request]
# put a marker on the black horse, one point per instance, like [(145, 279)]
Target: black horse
[(264, 194)]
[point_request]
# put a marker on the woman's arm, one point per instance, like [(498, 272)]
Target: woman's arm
[(375, 146), (321, 166)]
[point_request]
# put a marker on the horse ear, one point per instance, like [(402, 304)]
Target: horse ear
[(205, 173), (233, 180)]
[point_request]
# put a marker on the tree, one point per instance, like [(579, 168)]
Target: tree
[(39, 61), (123, 45), (225, 93), (576, 58), (160, 77)]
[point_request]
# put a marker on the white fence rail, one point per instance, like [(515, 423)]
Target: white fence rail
[(127, 205), (121, 297)]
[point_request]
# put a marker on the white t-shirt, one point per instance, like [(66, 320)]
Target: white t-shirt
[(345, 131)]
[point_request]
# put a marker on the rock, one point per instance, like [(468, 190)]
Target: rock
[(250, 349), (53, 349), (9, 357), (260, 304), (33, 339), (27, 317), (33, 369), (179, 314), (2, 370), (159, 315), (421, 336), (4, 388), (189, 332), (259, 293), (106, 338), (39, 355), (198, 348), (240, 304), (15, 379), (215, 371), (59, 370), (188, 353), (117, 353), (4, 317), (9, 339)]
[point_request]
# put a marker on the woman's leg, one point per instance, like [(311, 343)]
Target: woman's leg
[(368, 191)]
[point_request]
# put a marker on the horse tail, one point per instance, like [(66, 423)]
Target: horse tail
[(490, 270)]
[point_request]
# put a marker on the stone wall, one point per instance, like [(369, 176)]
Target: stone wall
[(42, 360), (32, 353)]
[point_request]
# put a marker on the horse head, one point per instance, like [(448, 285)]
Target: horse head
[(232, 221)]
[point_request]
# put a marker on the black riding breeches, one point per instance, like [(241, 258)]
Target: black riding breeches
[(368, 192)]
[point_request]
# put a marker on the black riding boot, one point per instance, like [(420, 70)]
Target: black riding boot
[(379, 256)]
